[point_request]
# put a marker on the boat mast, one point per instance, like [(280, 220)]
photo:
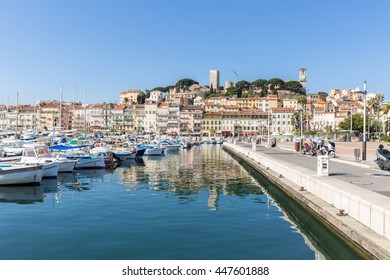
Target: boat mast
[(62, 89), (85, 113), (17, 115), (73, 114)]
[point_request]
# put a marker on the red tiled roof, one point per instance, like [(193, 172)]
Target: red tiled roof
[(49, 106), (131, 91), (283, 109)]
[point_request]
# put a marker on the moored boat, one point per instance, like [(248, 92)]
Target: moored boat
[(39, 154), (20, 174), (87, 160)]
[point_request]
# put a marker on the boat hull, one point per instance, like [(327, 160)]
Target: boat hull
[(154, 152), (21, 175), (95, 162), (66, 166)]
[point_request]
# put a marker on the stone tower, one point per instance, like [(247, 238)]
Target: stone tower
[(302, 78), (214, 79)]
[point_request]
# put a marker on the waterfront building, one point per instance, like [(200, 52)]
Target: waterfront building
[(196, 114), (117, 118), (323, 121), (11, 117), (96, 116), (150, 120), (48, 116), (190, 120), (243, 122), (184, 122), (130, 96), (27, 117), (138, 117), (79, 121), (173, 121), (214, 80), (3, 117), (281, 121), (212, 124), (162, 117), (128, 118)]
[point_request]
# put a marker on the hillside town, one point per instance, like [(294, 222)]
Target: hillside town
[(212, 110)]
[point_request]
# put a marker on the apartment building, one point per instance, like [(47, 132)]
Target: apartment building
[(162, 117), (130, 96), (281, 121)]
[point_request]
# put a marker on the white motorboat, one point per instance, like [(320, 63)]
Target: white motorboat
[(39, 154), (20, 174), (87, 160), (12, 147), (152, 150), (65, 164), (107, 155), (170, 146)]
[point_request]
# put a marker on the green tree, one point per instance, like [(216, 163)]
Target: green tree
[(162, 89), (275, 84), (293, 86), (323, 95), (242, 85), (301, 100), (260, 83), (357, 123), (185, 83), (167, 88), (375, 104), (141, 98), (231, 91)]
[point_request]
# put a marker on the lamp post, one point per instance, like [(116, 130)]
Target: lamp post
[(268, 140), (301, 138), (351, 120), (364, 144)]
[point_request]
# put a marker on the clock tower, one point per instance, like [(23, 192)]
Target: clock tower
[(302, 78)]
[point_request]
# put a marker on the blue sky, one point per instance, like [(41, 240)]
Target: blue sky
[(107, 47)]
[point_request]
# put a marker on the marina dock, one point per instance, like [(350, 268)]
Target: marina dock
[(354, 199)]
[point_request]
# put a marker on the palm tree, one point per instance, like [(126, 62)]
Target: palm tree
[(386, 110), (375, 104), (301, 100)]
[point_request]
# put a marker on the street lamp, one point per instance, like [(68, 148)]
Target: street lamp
[(268, 140), (351, 120), (364, 147)]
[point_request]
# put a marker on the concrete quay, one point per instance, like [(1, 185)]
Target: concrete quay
[(354, 199)]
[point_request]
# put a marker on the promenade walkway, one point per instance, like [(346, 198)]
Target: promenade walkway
[(359, 189)]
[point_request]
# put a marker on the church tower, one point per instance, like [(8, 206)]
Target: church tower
[(302, 78)]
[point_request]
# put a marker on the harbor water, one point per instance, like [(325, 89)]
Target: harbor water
[(195, 204)]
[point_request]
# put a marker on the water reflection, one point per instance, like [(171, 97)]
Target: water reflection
[(201, 194), (187, 172), (21, 195)]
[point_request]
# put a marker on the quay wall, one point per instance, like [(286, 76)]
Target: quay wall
[(366, 219)]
